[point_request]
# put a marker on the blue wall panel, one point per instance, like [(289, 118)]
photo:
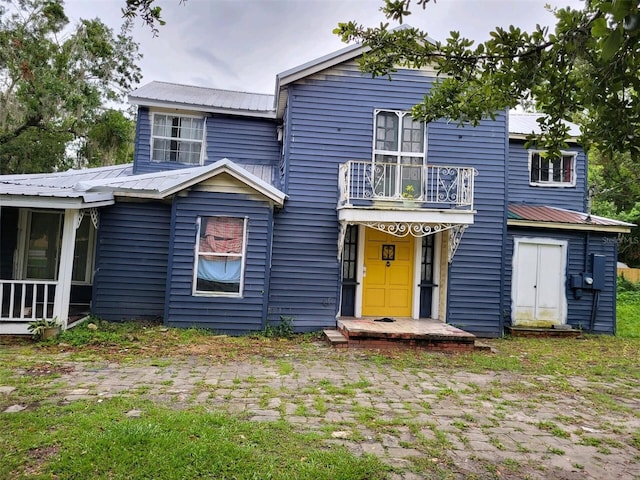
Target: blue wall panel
[(578, 309), (223, 314), (240, 139), (131, 261), (330, 119), (474, 293), (571, 198)]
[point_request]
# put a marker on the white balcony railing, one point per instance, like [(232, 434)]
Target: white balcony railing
[(26, 300), (427, 186)]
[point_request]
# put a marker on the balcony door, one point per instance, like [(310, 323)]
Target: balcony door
[(388, 275), (398, 155)]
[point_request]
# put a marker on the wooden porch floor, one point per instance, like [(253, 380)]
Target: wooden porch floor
[(423, 334)]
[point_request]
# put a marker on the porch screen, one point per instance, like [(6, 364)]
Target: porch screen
[(220, 255)]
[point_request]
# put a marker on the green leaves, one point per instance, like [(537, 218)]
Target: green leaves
[(611, 44), (586, 67), (55, 85)]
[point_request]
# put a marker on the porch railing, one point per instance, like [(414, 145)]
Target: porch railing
[(429, 186), (27, 300)]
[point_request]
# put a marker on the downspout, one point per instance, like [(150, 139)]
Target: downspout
[(267, 276), (172, 233), (505, 210), (595, 299)]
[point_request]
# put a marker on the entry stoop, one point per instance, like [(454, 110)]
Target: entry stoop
[(405, 333)]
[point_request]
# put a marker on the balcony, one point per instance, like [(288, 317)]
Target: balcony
[(402, 198), (364, 184)]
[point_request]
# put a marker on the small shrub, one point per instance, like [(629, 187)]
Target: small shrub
[(282, 329), (625, 285)]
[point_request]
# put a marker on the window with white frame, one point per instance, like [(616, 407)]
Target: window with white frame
[(547, 170), (220, 256), (398, 152), (177, 138)]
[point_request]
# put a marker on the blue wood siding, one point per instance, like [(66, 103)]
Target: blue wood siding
[(223, 314), (142, 146), (242, 140), (571, 198), (331, 121), (579, 244), (131, 261), (475, 274), (8, 240)]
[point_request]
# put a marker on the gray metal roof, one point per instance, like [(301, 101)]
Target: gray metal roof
[(58, 186), (163, 94), (526, 124), (167, 182), (99, 186)]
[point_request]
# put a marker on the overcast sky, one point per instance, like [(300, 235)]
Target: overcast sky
[(242, 44)]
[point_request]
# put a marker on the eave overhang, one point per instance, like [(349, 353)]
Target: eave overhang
[(364, 215), (57, 203), (624, 228), (144, 102)]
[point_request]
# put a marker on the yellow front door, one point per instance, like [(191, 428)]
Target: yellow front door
[(388, 279)]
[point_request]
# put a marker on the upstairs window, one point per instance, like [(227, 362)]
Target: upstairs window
[(177, 139), (399, 151), (220, 253), (552, 171)]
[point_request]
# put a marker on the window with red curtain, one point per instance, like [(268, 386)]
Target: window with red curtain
[(220, 255)]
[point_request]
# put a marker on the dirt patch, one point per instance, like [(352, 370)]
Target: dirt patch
[(40, 369), (38, 457)]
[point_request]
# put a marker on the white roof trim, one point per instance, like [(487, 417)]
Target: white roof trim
[(59, 203)]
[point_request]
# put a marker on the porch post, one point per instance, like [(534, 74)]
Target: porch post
[(67, 250)]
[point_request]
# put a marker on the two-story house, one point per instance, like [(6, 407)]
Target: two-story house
[(323, 201)]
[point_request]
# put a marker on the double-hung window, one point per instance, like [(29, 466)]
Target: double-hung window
[(177, 138), (398, 154), (547, 170), (220, 256)]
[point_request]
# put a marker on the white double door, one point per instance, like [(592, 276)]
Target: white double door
[(538, 295)]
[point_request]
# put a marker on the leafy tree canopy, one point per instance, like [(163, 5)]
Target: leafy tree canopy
[(586, 69), (55, 80)]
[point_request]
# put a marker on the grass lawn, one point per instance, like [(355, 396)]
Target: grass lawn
[(628, 313), (88, 440), (134, 438)]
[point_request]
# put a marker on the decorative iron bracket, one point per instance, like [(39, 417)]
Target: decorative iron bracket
[(454, 239), (403, 229)]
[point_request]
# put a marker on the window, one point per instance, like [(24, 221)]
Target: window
[(220, 256), (398, 152), (177, 139), (42, 250), (552, 171), (82, 272)]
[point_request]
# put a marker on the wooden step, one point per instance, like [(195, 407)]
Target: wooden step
[(335, 338)]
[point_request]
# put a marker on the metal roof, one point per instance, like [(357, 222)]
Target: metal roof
[(173, 95), (102, 184), (558, 217), (168, 182), (526, 124), (58, 186)]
